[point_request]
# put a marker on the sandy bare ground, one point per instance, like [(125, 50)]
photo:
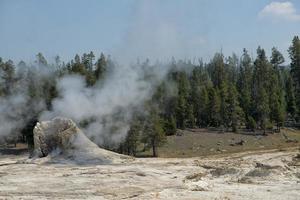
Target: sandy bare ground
[(251, 175)]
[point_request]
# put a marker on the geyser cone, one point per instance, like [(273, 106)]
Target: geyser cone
[(60, 138)]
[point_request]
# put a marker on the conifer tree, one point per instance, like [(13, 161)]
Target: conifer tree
[(214, 107), (154, 135), (7, 72), (41, 60), (260, 89), (294, 52), (183, 110), (290, 98), (235, 113), (101, 66), (244, 85), (277, 102)]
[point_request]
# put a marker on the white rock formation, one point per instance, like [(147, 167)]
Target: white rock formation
[(61, 140)]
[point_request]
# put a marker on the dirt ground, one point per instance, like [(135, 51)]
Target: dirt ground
[(202, 142), (249, 175)]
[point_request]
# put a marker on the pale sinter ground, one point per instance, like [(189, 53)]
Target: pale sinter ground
[(249, 175)]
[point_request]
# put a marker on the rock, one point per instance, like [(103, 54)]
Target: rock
[(140, 174), (258, 172), (297, 157), (196, 176), (289, 140), (179, 133), (199, 186), (266, 166), (223, 171), (61, 139), (53, 135), (239, 143)]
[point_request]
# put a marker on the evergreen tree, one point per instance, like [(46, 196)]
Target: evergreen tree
[(277, 102), (294, 52), (101, 66), (214, 107), (8, 77), (183, 110), (235, 113), (131, 142), (232, 68), (170, 125), (154, 135), (203, 109), (290, 98), (244, 85), (223, 91), (276, 58), (260, 89), (41, 60), (163, 101), (77, 67), (217, 70), (199, 95), (195, 93)]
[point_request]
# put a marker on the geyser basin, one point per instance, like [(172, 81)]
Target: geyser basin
[(60, 139)]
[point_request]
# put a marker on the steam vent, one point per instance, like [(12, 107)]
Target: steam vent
[(60, 139)]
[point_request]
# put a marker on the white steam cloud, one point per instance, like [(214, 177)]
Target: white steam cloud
[(109, 105), (18, 108), (154, 34), (106, 109)]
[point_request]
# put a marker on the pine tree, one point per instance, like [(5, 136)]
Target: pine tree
[(41, 60), (245, 84), (223, 91), (199, 95), (101, 66), (290, 97), (202, 111), (183, 110), (163, 101), (8, 75), (260, 95), (277, 102), (219, 96), (154, 135), (88, 63), (235, 113), (217, 70), (195, 93), (232, 64), (131, 142), (214, 107), (294, 52), (77, 67), (170, 125)]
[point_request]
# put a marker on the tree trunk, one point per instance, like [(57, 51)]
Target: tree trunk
[(128, 150), (154, 150), (154, 153), (278, 127)]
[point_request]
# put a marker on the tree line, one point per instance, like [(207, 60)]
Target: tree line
[(229, 93)]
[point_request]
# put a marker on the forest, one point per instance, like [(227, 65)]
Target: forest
[(260, 94)]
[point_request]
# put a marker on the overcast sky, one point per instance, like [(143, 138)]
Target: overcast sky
[(128, 29)]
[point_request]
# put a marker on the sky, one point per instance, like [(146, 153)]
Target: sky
[(155, 29)]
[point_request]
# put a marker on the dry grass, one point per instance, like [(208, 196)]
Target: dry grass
[(202, 142)]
